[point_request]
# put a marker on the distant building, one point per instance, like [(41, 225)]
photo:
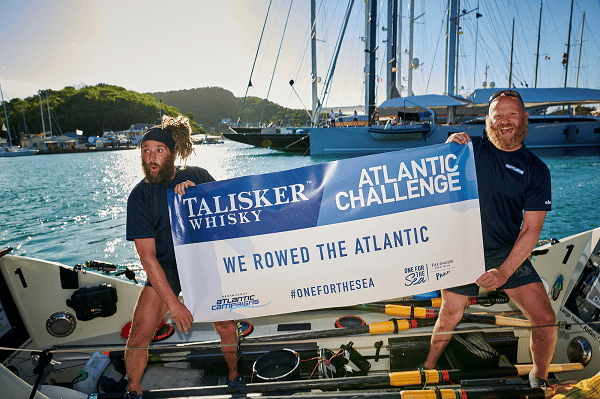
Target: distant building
[(76, 135), (135, 132), (40, 142)]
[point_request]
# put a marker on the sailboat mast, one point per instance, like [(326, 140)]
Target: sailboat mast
[(159, 108), (49, 118), (451, 61), (411, 20), (42, 112), (24, 121), (371, 44), (512, 43), (6, 117), (392, 28), (537, 54), (313, 52), (399, 51), (580, 43), (569, 44)]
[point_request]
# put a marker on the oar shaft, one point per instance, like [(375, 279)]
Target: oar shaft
[(423, 313), (508, 392), (397, 310), (524, 369), (419, 377)]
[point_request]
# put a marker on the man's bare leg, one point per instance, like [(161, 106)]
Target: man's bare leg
[(533, 300), (451, 312), (229, 338), (148, 312)]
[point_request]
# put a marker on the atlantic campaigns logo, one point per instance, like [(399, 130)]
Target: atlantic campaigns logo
[(238, 301)]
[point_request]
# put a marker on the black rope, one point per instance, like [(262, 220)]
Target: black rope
[(423, 377), (44, 360), (395, 325)]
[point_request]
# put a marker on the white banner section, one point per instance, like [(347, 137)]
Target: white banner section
[(342, 233)]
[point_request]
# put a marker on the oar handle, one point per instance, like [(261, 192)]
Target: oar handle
[(524, 369), (409, 311), (497, 320), (393, 326)]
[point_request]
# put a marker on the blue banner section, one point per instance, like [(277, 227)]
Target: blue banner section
[(399, 181), (324, 194), (248, 206)]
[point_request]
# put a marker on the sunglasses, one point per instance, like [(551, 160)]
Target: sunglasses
[(507, 93)]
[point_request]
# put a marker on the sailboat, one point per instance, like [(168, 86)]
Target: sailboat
[(11, 150), (423, 120), (429, 119)]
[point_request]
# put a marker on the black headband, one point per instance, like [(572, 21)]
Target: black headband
[(164, 136)]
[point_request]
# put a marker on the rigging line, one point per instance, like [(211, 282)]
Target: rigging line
[(306, 40), (476, 41), (254, 63), (436, 49), (325, 91), (276, 60)]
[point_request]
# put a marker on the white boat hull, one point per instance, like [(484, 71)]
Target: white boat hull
[(356, 141), (37, 290)]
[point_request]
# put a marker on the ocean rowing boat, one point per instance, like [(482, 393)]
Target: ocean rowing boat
[(62, 315)]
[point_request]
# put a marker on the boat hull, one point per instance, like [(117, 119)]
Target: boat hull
[(21, 153), (33, 291), (293, 142), (356, 141)]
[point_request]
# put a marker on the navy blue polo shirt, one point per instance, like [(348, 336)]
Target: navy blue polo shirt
[(148, 212), (509, 183)]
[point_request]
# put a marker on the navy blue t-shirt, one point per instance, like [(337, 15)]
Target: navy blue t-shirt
[(509, 183), (148, 212)]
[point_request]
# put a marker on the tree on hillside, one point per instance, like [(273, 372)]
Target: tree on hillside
[(210, 105), (92, 109)]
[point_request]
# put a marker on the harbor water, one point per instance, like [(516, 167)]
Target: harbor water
[(71, 208)]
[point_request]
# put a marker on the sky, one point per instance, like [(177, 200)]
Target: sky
[(157, 46)]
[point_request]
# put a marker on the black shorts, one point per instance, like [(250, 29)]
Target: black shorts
[(524, 275), (172, 278)]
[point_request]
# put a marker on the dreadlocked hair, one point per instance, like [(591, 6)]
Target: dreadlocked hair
[(180, 130)]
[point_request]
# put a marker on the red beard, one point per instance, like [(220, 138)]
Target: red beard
[(163, 175), (511, 142)]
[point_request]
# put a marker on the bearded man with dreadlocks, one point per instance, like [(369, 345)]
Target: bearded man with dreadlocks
[(148, 226)]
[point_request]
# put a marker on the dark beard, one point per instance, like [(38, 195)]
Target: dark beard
[(164, 174), (504, 144)]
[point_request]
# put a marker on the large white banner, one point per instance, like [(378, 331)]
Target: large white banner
[(335, 234)]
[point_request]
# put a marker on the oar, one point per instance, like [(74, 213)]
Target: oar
[(496, 392), (418, 312), (395, 379), (418, 377), (437, 302), (5, 251), (383, 327)]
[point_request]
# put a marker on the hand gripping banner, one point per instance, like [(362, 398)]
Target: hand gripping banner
[(334, 234)]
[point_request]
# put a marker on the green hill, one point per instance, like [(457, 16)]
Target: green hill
[(91, 109), (94, 109), (210, 105)]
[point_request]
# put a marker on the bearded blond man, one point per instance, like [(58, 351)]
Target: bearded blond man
[(514, 196)]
